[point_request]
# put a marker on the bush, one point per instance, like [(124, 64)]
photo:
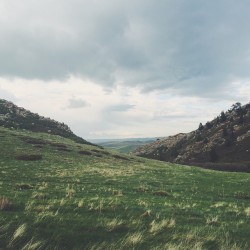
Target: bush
[(201, 127), (222, 116), (5, 204), (209, 125)]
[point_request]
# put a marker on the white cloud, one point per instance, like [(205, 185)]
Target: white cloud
[(120, 112)]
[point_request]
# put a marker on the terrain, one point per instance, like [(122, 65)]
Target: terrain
[(222, 144), (12, 116), (56, 193), (123, 145), (59, 194)]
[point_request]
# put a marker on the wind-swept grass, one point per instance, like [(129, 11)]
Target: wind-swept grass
[(104, 200)]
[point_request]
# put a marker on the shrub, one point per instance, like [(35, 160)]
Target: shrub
[(222, 116), (5, 204), (201, 127), (209, 125)]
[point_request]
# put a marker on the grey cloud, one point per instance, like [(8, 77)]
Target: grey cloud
[(193, 47), (77, 103), (120, 108)]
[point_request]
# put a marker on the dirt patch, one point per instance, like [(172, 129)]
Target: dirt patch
[(24, 186), (26, 157), (64, 149), (84, 152), (161, 193), (33, 141)]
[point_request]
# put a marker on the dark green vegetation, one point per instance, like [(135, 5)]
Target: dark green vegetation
[(124, 146), (12, 116), (58, 194), (222, 144)]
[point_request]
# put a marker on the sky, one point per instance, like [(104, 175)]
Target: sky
[(125, 69)]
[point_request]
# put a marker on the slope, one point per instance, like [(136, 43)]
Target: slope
[(12, 116), (58, 194), (223, 143)]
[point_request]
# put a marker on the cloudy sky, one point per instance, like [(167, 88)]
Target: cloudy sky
[(115, 68)]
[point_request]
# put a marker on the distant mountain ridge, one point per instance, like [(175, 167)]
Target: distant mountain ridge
[(123, 145), (223, 143), (12, 116)]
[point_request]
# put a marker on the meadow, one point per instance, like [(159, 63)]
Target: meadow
[(58, 194)]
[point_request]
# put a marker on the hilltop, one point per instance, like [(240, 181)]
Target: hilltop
[(223, 143), (12, 116)]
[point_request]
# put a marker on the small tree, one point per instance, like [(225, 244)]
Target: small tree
[(236, 106), (222, 116), (209, 125), (201, 127)]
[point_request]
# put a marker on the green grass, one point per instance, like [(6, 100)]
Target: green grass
[(61, 199)]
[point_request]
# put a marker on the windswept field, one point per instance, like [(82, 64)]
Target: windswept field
[(57, 194)]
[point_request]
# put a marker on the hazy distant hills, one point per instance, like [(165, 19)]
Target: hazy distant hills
[(223, 143), (123, 145), (12, 116)]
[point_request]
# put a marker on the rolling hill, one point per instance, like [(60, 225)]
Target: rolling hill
[(222, 144), (56, 193), (123, 145), (12, 116)]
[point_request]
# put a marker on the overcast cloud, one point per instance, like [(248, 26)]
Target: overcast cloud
[(121, 53)]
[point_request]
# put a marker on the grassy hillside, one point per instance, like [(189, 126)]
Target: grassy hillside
[(57, 194), (12, 116), (222, 144)]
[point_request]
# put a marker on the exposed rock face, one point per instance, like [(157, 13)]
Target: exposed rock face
[(12, 116), (224, 140)]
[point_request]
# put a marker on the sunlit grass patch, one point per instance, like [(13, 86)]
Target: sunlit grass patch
[(157, 227), (134, 239), (247, 211), (213, 221), (219, 204), (39, 196), (20, 231), (116, 225)]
